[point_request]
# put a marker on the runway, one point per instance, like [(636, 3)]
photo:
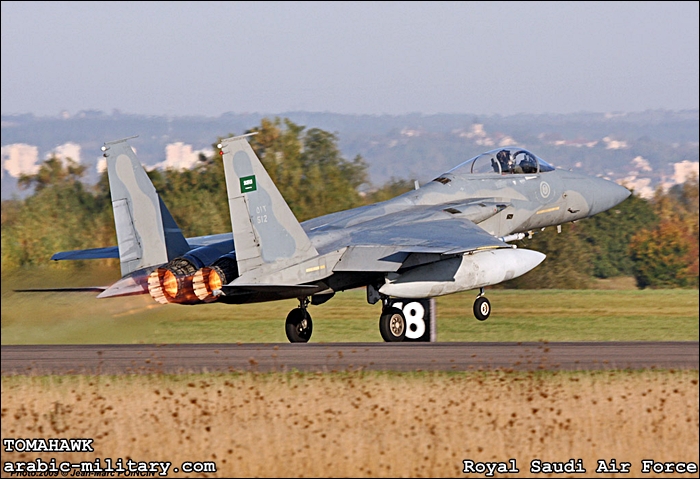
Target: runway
[(320, 357)]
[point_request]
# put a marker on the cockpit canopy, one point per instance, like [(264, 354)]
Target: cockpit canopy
[(508, 160)]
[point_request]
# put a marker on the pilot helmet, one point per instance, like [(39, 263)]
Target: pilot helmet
[(503, 157), (528, 164)]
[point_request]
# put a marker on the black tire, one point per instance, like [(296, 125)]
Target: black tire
[(392, 325), (298, 326), (482, 308)]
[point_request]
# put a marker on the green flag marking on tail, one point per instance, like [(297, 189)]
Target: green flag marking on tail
[(248, 184)]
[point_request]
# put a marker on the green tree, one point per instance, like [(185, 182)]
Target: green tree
[(567, 265), (665, 255), (331, 182), (196, 197), (278, 144), (391, 189), (53, 172), (62, 214), (308, 168), (608, 235)]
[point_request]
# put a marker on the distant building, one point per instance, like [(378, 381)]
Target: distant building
[(20, 158), (641, 163), (101, 165), (67, 150), (641, 186), (478, 135), (685, 169), (410, 132), (611, 144), (181, 156), (576, 143)]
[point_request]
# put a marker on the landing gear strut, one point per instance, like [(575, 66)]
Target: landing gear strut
[(299, 325), (482, 306)]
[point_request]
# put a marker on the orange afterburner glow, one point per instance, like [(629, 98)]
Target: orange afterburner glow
[(215, 280), (170, 284), (205, 281), (167, 286)]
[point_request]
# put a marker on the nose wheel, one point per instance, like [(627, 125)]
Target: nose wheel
[(482, 307)]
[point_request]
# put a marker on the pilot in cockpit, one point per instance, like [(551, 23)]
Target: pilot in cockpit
[(528, 164), (505, 161)]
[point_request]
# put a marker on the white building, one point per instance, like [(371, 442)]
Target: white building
[(20, 158), (684, 169), (67, 150), (181, 156)]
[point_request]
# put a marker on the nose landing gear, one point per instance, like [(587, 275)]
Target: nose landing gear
[(482, 306)]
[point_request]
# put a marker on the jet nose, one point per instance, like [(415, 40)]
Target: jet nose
[(604, 194)]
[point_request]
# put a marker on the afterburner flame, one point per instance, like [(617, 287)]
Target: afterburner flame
[(205, 282), (155, 286), (170, 284), (214, 281)]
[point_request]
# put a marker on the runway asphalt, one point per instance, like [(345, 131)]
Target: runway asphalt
[(321, 357)]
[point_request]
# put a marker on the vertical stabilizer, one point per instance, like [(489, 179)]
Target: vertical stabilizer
[(265, 231), (147, 234)]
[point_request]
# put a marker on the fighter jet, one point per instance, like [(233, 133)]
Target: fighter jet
[(447, 236)]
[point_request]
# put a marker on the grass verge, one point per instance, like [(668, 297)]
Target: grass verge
[(518, 315)]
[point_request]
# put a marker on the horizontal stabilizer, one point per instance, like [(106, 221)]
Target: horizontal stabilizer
[(127, 286), (83, 289), (94, 253)]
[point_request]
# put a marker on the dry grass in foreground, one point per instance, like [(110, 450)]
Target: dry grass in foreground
[(362, 424)]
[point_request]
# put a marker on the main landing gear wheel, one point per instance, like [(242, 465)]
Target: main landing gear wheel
[(392, 325), (482, 308), (298, 326)]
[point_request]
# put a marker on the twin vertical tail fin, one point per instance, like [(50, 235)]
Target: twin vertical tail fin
[(265, 231), (147, 234), (266, 234)]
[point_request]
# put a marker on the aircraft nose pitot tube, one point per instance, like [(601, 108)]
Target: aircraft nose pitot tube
[(172, 283), (207, 281)]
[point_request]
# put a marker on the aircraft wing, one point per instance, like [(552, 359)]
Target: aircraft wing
[(449, 236), (474, 209), (410, 239)]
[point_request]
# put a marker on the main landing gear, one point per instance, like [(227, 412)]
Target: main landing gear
[(482, 306), (392, 322), (392, 325), (299, 325)]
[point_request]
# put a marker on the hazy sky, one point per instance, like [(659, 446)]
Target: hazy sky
[(207, 58)]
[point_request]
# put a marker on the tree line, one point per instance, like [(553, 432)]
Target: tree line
[(656, 240)]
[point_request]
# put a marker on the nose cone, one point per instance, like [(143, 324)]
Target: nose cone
[(601, 195)]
